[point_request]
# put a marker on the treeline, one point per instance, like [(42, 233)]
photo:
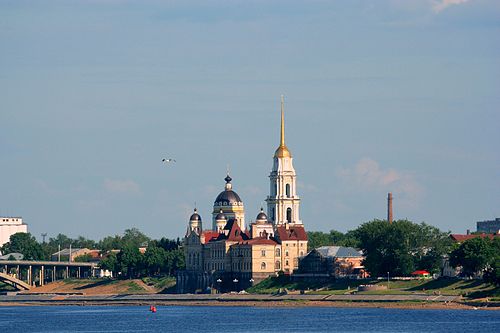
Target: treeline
[(120, 253), (400, 247)]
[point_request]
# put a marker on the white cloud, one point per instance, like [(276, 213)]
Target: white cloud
[(122, 186), (438, 6), (367, 175)]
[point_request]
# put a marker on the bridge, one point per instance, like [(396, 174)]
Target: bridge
[(24, 275)]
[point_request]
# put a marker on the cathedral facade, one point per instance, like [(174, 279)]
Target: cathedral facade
[(230, 256)]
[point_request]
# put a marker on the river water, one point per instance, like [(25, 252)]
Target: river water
[(242, 319)]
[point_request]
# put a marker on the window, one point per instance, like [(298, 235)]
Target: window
[(289, 215), (301, 253), (262, 265), (263, 253), (287, 190), (277, 264), (278, 252), (286, 253), (286, 262)]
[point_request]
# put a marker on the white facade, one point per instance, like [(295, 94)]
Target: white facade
[(283, 202), (10, 226)]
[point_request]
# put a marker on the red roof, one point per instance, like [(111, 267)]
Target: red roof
[(462, 238), (208, 235), (291, 233), (422, 272)]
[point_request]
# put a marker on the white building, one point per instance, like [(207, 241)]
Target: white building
[(10, 226)]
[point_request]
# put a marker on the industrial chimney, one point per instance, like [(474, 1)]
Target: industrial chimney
[(389, 207)]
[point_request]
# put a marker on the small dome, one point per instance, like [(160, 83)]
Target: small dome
[(195, 216), (262, 216), (227, 197), (282, 151), (220, 216)]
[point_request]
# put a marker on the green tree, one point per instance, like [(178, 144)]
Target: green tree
[(155, 259), (134, 237), (474, 255), (26, 244), (110, 262), (400, 247), (130, 261), (109, 243)]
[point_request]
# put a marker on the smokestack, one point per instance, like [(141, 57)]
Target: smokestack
[(389, 207)]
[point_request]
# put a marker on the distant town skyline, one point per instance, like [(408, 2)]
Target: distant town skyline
[(387, 96)]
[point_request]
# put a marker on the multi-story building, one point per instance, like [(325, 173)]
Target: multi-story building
[(489, 227), (230, 256), (10, 226)]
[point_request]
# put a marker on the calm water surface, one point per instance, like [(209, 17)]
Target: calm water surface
[(242, 319)]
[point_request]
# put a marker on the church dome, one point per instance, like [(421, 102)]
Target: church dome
[(282, 151), (220, 216), (228, 197), (195, 216), (262, 217)]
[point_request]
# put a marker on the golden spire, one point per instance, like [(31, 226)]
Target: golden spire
[(282, 141), (282, 150)]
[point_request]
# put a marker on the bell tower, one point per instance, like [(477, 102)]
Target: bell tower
[(283, 202)]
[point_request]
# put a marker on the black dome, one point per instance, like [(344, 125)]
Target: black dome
[(220, 216), (227, 197), (195, 216), (262, 216)]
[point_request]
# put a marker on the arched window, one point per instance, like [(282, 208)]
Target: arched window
[(263, 253), (289, 215), (262, 265), (301, 253), (286, 262), (278, 252), (287, 190), (277, 264)]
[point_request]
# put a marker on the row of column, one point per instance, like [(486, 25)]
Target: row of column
[(41, 273)]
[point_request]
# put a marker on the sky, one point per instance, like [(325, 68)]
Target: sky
[(383, 96)]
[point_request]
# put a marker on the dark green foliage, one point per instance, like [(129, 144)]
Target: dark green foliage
[(334, 237), (110, 262), (478, 254), (130, 261), (401, 247), (26, 244)]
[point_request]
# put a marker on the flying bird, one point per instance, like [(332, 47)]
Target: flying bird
[(168, 160)]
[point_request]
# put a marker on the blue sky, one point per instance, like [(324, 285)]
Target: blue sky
[(381, 96)]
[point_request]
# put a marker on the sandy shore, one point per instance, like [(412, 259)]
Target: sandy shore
[(287, 304)]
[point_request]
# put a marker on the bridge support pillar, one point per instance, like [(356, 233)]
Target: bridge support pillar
[(53, 273), (67, 272), (42, 275), (30, 276)]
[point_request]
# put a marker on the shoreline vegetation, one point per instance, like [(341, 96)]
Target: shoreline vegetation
[(273, 292)]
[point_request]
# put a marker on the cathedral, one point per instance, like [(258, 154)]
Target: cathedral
[(230, 256)]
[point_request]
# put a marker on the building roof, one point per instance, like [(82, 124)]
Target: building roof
[(339, 252), (65, 252), (208, 235), (15, 255), (420, 272), (259, 241), (462, 238), (291, 233)]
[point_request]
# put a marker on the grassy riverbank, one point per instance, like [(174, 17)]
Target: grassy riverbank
[(470, 289)]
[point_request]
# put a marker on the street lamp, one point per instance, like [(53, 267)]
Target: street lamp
[(235, 284), (387, 280), (219, 282)]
